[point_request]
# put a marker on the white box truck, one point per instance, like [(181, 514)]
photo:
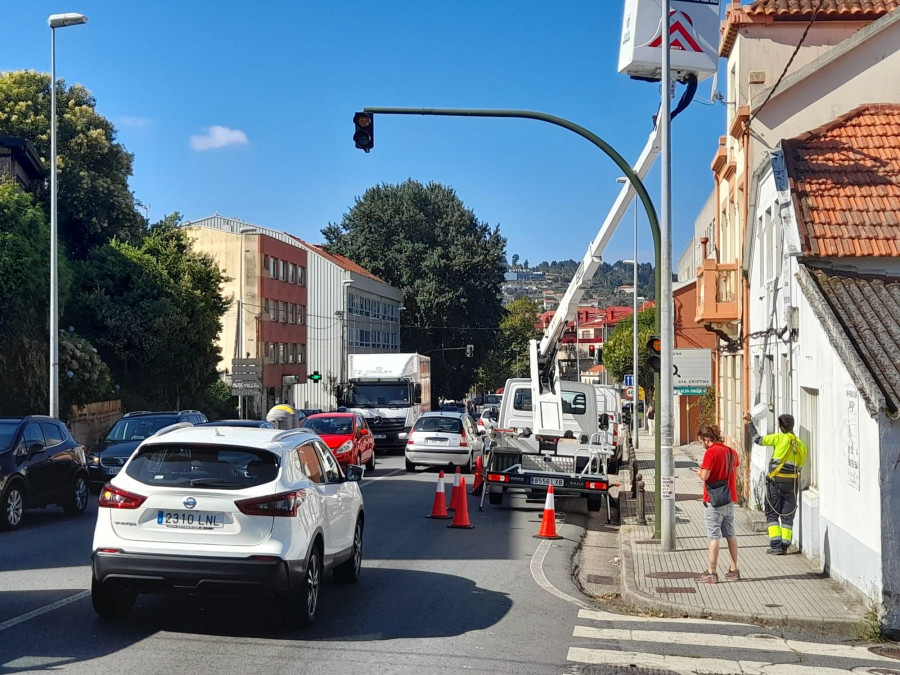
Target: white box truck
[(390, 391)]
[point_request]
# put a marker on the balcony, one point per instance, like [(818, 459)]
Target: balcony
[(717, 295)]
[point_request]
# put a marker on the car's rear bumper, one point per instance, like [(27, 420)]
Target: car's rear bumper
[(437, 456), (147, 573)]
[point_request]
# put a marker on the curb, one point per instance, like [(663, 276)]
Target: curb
[(633, 596)]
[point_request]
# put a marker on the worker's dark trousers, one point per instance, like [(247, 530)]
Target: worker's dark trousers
[(781, 504)]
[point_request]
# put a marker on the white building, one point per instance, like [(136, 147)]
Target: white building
[(822, 255)]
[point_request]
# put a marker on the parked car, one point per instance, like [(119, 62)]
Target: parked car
[(453, 406), (348, 436), (227, 511), (259, 424), (309, 411), (444, 439), (40, 464), (112, 452), (488, 418), (493, 399)]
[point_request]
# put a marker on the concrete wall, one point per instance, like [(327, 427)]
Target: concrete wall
[(848, 502)]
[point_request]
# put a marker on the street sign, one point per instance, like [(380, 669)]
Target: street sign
[(629, 380), (629, 393), (693, 368), (246, 370), (245, 387), (690, 391)]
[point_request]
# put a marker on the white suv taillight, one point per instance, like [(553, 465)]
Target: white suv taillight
[(615, 434), (282, 504), (112, 497)]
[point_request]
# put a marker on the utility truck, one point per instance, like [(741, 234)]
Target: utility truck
[(556, 432), (390, 391)]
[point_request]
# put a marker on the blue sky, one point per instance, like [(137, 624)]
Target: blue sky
[(246, 109)]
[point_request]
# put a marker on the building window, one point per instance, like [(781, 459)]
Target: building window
[(292, 313), (272, 309), (292, 273), (284, 272), (273, 268), (301, 314), (292, 352), (266, 263), (301, 276), (809, 423), (282, 357), (270, 349), (282, 306), (301, 353), (352, 304)]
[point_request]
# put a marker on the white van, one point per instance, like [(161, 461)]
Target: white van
[(609, 401)]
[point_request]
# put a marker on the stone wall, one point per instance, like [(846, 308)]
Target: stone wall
[(89, 423)]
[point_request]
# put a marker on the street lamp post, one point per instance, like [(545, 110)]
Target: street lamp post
[(55, 21)]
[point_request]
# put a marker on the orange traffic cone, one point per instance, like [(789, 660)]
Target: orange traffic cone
[(548, 524), (454, 496), (461, 517), (439, 509), (479, 481)]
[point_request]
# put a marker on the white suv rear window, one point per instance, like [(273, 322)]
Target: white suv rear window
[(212, 466)]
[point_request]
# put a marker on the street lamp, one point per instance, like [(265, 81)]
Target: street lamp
[(55, 21)]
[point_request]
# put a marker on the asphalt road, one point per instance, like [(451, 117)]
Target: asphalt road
[(430, 599)]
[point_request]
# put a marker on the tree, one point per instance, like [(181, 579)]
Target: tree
[(618, 349), (515, 259), (95, 203), (25, 301), (449, 265), (510, 348), (154, 312)]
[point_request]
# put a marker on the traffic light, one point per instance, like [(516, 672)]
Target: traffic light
[(364, 134), (600, 355), (592, 351), (470, 350), (653, 360), (316, 377)]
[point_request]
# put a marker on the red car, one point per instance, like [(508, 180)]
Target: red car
[(348, 436)]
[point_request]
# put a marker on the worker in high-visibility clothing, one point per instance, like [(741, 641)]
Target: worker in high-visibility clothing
[(782, 480)]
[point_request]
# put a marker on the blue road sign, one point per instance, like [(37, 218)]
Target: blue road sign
[(629, 380)]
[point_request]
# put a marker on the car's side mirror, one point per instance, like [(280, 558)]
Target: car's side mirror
[(604, 422), (355, 473), (34, 448)]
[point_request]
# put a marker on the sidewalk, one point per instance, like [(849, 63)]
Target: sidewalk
[(779, 590)]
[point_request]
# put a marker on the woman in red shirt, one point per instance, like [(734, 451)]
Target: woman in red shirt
[(719, 464)]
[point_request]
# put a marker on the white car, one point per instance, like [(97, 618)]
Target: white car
[(444, 439), (487, 419), (227, 510)]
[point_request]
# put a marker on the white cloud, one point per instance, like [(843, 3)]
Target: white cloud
[(218, 137), (131, 121)]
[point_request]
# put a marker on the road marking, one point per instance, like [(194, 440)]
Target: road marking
[(43, 610), (537, 573), (628, 618), (773, 644), (369, 481), (686, 665)]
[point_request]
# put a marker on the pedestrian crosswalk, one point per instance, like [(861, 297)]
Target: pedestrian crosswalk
[(640, 644)]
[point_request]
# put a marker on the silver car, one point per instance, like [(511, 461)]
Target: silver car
[(444, 439)]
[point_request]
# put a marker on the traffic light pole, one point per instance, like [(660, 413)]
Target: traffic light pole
[(646, 202)]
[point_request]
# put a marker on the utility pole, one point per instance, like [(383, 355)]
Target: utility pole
[(667, 336)]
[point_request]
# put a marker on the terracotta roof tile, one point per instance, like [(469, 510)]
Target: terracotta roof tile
[(769, 11), (831, 9), (845, 182)]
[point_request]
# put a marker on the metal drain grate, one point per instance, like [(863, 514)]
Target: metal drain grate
[(675, 589), (599, 579), (624, 670), (672, 575), (889, 652)]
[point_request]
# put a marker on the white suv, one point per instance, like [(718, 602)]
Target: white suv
[(230, 510)]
